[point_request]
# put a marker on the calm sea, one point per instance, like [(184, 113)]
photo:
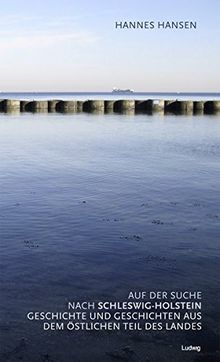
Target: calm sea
[(107, 95), (95, 206)]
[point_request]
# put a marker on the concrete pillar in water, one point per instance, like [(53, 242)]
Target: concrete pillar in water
[(179, 107), (158, 105), (198, 107), (97, 105), (149, 106), (40, 106), (212, 106), (216, 106), (79, 106), (141, 106), (1, 105), (67, 106), (109, 106), (167, 104), (124, 105), (37, 106), (187, 107), (9, 105), (52, 105), (171, 106), (23, 106), (90, 106), (85, 106)]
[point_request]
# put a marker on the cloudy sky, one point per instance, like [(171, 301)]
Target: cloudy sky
[(68, 45)]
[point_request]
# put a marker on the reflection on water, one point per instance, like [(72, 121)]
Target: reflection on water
[(93, 206)]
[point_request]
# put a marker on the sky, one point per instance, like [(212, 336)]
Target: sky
[(69, 45)]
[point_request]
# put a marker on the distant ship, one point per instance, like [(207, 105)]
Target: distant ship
[(118, 90)]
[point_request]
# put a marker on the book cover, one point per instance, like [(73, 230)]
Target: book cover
[(109, 181)]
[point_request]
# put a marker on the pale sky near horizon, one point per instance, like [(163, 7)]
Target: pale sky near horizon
[(73, 46)]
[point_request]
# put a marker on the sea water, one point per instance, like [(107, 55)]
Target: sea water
[(82, 96), (94, 206)]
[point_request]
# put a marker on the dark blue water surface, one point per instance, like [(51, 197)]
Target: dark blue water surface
[(93, 206), (109, 95)]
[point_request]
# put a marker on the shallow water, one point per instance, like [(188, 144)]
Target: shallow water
[(93, 206)]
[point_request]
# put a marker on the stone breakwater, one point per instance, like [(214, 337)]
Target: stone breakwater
[(108, 106)]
